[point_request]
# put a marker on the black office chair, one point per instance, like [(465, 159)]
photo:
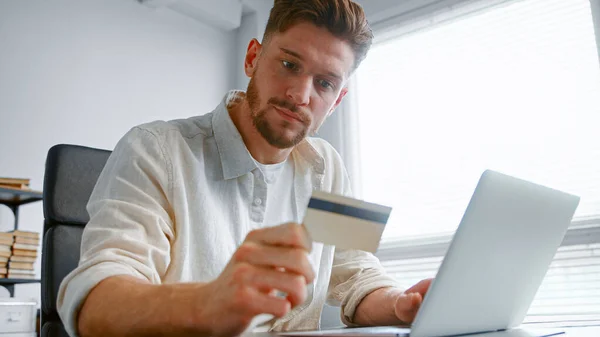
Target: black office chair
[(70, 176)]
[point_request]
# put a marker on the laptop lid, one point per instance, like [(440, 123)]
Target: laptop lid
[(497, 259)]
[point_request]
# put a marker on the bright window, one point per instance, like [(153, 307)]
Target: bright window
[(514, 88)]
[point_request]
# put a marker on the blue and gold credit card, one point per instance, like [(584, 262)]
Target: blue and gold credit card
[(344, 222)]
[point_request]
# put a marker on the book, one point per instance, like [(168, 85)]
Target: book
[(15, 187), (20, 271), (21, 276), (3, 270), (9, 181), (26, 240), (24, 246), (5, 248), (5, 241), (16, 258), (6, 236), (21, 252), (5, 259), (25, 234), (21, 265), (20, 189), (5, 253)]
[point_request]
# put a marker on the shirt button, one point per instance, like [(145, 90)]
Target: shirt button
[(258, 201)]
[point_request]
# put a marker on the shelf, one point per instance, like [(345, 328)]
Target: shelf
[(17, 281), (18, 197)]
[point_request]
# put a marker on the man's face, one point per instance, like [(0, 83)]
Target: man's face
[(297, 78)]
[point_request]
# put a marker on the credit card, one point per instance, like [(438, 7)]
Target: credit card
[(344, 222)]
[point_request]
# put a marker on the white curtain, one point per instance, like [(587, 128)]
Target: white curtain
[(341, 131)]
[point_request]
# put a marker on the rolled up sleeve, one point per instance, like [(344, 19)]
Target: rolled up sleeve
[(130, 227), (354, 275)]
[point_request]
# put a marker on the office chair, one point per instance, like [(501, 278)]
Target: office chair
[(70, 176)]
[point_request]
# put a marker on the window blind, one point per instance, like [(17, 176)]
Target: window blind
[(570, 292), (515, 88)]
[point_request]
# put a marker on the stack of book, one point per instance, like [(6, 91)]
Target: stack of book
[(6, 242), (18, 253), (14, 183)]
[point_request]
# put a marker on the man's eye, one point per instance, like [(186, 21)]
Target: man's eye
[(325, 84), (289, 65)]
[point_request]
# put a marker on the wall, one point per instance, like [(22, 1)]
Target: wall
[(84, 72), (595, 7), (254, 20)]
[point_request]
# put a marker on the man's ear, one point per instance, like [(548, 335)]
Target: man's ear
[(251, 59), (338, 101)]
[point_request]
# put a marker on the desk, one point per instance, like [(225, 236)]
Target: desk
[(583, 331), (591, 331), (580, 331)]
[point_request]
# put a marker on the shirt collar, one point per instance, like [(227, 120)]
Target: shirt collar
[(236, 160)]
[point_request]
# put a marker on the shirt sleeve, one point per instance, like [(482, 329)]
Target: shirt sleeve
[(130, 227), (354, 273)]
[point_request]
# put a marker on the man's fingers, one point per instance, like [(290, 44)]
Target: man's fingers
[(265, 304), (288, 235), (268, 291), (421, 287), (292, 284), (293, 260), (407, 306)]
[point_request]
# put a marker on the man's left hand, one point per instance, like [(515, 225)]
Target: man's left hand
[(408, 302), (391, 306)]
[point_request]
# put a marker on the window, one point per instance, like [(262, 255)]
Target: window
[(514, 88)]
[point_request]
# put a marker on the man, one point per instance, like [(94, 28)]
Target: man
[(185, 233)]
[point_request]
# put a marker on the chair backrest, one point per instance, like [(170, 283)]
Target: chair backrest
[(70, 176)]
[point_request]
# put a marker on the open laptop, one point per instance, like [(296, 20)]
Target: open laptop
[(495, 264)]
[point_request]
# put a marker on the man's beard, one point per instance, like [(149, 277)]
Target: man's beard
[(264, 127)]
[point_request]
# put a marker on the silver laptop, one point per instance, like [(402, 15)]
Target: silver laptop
[(495, 264)]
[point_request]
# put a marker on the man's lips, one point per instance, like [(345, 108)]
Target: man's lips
[(287, 113)]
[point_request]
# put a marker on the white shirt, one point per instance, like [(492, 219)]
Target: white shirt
[(280, 192), (176, 199), (279, 210)]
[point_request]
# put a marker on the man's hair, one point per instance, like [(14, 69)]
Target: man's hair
[(344, 19)]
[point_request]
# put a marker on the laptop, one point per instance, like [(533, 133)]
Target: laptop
[(494, 265)]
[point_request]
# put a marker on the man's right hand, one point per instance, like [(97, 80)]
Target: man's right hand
[(269, 259)]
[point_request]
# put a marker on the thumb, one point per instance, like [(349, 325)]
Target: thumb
[(407, 306)]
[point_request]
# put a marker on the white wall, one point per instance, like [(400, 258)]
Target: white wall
[(84, 72), (254, 20), (595, 6), (247, 31)]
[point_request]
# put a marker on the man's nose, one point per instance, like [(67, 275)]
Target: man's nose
[(299, 91)]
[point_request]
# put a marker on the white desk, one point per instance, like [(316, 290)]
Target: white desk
[(526, 331), (580, 331)]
